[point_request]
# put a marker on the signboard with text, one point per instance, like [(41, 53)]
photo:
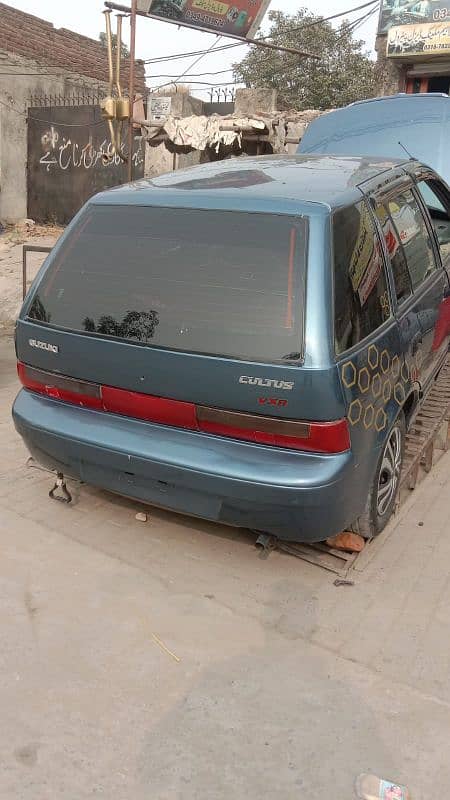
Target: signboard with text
[(418, 40), (160, 108), (412, 12), (237, 18)]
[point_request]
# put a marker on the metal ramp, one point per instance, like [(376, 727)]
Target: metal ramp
[(422, 438)]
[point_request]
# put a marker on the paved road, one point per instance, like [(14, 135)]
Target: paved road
[(286, 687)]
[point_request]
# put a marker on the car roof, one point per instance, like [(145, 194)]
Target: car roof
[(279, 184)]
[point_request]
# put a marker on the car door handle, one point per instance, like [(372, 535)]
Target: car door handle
[(416, 342)]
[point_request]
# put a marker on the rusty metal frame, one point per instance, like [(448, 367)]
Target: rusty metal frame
[(424, 430), (30, 248)]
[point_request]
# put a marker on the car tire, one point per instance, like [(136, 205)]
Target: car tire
[(383, 492)]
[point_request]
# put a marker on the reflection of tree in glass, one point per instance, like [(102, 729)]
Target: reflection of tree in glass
[(37, 311), (89, 325), (108, 326), (139, 325)]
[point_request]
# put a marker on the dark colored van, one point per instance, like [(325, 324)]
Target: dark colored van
[(245, 342)]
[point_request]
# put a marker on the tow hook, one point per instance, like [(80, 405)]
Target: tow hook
[(266, 543), (64, 496)]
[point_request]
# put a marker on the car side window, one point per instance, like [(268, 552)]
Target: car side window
[(402, 280), (361, 297), (410, 226), (437, 200)]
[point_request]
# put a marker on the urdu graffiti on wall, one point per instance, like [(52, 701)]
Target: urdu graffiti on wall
[(64, 160), (60, 152)]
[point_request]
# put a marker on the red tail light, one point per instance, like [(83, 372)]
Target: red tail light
[(71, 390), (316, 437), (153, 409)]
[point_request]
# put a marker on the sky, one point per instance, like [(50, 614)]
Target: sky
[(154, 38)]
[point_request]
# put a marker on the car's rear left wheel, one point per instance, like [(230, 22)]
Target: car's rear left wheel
[(383, 492)]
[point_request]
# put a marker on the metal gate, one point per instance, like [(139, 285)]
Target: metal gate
[(66, 141)]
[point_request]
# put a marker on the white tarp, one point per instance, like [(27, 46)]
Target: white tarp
[(202, 132)]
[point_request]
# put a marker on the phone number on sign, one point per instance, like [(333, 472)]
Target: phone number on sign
[(441, 14), (216, 21), (213, 6)]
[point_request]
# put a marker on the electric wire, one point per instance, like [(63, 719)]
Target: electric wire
[(303, 27), (283, 68), (197, 60), (213, 48)]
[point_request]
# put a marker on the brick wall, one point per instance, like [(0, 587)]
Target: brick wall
[(34, 38), (38, 59)]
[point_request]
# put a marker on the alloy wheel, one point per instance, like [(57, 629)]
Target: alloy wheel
[(391, 466)]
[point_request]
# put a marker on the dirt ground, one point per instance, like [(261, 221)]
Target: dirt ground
[(166, 660), (11, 241)]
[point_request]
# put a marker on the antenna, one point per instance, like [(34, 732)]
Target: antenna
[(407, 152)]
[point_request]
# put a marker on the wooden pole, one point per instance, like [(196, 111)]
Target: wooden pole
[(131, 89)]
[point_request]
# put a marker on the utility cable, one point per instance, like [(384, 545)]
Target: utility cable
[(282, 68), (197, 60), (195, 74), (297, 29), (187, 70)]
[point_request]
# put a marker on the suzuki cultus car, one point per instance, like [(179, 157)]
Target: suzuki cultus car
[(245, 342)]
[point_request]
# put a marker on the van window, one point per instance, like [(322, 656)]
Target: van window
[(411, 229), (361, 297), (213, 282)]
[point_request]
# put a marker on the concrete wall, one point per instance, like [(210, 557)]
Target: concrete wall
[(248, 102), (15, 89), (391, 76), (162, 158), (165, 157)]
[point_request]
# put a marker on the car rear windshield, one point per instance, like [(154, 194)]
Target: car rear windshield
[(214, 282)]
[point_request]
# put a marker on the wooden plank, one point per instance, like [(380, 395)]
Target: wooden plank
[(413, 476)]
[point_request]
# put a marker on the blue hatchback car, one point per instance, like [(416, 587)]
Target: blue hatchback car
[(245, 342)]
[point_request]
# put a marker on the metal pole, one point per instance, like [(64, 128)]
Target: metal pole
[(109, 49), (119, 53), (131, 90), (24, 272), (30, 248)]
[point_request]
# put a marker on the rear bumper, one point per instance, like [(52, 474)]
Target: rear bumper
[(295, 496)]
